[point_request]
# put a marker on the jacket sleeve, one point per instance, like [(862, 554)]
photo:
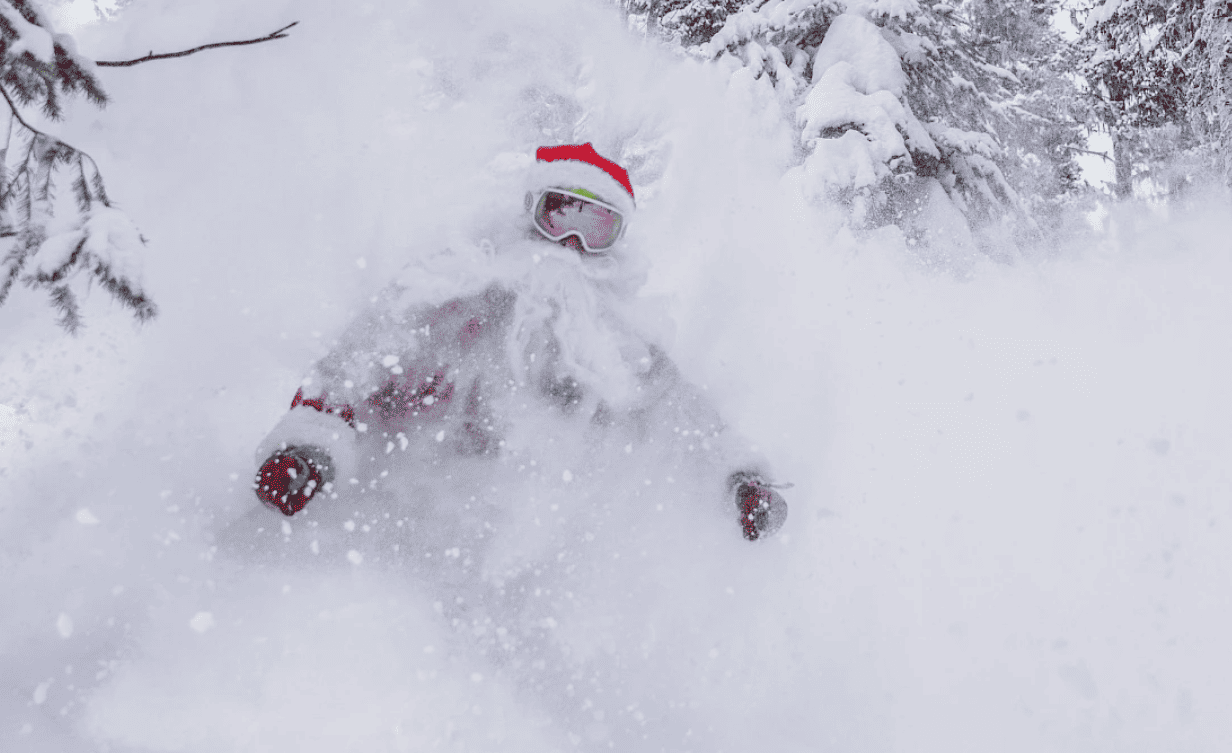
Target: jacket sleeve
[(331, 409), (671, 406), (313, 423)]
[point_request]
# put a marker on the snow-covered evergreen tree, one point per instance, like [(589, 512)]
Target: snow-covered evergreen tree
[(685, 22), (1048, 132), (1211, 104), (50, 240), (905, 109), (1160, 76), (694, 22), (1133, 68)]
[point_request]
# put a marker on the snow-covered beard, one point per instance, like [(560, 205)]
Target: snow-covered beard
[(571, 313), (568, 319)]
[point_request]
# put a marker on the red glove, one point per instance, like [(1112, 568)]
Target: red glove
[(291, 476), (762, 510)]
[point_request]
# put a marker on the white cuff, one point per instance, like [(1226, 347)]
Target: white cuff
[(305, 425)]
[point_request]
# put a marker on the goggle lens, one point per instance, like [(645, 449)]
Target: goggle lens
[(559, 214)]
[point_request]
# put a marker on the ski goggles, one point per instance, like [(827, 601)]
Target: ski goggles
[(559, 214)]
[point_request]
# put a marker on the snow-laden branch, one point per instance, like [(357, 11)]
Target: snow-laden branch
[(51, 240)]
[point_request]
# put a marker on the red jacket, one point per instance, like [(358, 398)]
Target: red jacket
[(442, 380)]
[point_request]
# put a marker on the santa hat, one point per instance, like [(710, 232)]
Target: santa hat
[(580, 166)]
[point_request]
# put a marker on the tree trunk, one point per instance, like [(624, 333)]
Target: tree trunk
[(652, 18), (1122, 153), (1217, 31)]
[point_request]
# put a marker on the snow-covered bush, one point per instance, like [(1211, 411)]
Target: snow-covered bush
[(50, 239)]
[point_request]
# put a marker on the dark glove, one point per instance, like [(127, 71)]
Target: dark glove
[(762, 509), (291, 476)]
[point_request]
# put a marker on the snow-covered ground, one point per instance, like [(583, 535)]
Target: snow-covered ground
[(1011, 511)]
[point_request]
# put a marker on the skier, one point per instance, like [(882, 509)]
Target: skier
[(495, 349)]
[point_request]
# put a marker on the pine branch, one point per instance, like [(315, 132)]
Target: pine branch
[(17, 114), (15, 262), (14, 185), (63, 300), (279, 34), (73, 79), (57, 150), (56, 275), (25, 199), (19, 253), (122, 290), (97, 180), (81, 189), (4, 159), (45, 162)]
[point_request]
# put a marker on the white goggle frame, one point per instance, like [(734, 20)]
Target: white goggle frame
[(533, 201)]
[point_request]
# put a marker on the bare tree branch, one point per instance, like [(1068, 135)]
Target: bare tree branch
[(1101, 155), (125, 63)]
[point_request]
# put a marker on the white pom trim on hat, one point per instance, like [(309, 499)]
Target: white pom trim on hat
[(570, 173)]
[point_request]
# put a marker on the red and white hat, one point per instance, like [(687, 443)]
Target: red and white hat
[(580, 166)]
